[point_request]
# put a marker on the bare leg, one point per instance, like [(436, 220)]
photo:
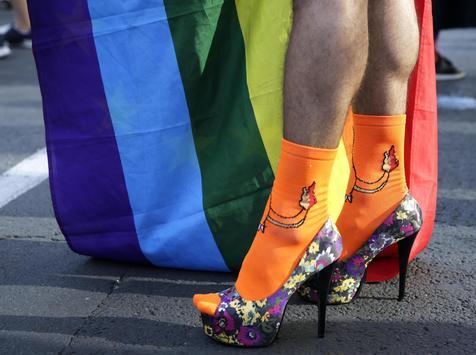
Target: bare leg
[(379, 123), (21, 18), (393, 51), (325, 64)]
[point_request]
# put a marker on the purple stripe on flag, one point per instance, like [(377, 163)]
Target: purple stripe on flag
[(87, 181)]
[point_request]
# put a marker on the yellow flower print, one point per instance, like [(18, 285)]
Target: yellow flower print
[(208, 330), (401, 215), (249, 313), (309, 265), (314, 248), (292, 281), (250, 318), (265, 317), (344, 286), (349, 282), (235, 303), (261, 303), (339, 299), (248, 306), (226, 338), (288, 284)]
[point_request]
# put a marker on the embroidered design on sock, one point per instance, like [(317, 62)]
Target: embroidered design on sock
[(390, 163), (308, 199)]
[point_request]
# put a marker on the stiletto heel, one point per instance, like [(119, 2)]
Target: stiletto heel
[(324, 278), (401, 227), (251, 323), (404, 248)]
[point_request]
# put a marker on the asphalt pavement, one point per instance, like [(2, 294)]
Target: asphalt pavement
[(55, 301)]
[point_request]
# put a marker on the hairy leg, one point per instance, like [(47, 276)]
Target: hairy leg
[(393, 51), (378, 185), (325, 64)]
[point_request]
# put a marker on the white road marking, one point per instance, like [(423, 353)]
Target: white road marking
[(33, 239), (456, 102), (23, 177), (4, 28), (149, 279), (177, 282)]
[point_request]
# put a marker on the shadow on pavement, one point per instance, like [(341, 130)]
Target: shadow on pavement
[(358, 336)]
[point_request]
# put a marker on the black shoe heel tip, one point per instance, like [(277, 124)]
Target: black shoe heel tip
[(404, 248), (324, 278)]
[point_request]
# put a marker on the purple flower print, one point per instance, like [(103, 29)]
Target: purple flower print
[(277, 297), (407, 229), (389, 220), (336, 275), (249, 336), (391, 230), (227, 295), (255, 323), (378, 242), (322, 261), (275, 310), (356, 266), (224, 322)]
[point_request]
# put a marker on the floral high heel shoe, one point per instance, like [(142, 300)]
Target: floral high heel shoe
[(247, 323), (348, 277)]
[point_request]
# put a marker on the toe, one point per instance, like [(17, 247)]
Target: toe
[(206, 303)]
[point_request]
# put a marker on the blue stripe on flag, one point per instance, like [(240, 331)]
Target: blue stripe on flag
[(152, 126)]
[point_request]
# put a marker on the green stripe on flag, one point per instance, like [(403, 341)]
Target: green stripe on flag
[(236, 173)]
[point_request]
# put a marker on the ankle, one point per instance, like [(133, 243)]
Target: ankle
[(21, 27)]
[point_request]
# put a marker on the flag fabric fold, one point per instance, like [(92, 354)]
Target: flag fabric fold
[(164, 120)]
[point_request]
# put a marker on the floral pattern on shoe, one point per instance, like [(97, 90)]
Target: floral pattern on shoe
[(247, 323), (405, 221)]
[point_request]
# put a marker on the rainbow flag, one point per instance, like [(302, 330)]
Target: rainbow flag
[(163, 124)]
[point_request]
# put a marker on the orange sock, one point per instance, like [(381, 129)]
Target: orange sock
[(377, 183), (295, 212)]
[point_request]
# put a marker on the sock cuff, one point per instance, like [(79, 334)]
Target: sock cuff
[(381, 121), (308, 152)]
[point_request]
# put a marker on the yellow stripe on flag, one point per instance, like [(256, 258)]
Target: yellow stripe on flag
[(265, 31)]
